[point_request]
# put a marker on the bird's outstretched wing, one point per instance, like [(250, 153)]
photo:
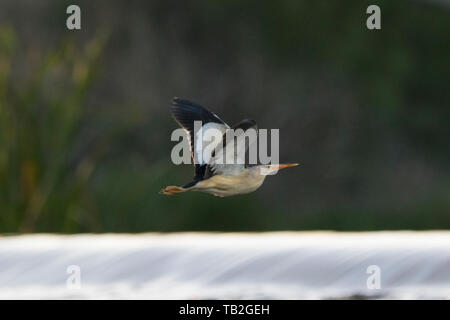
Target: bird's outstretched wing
[(230, 157), (186, 112)]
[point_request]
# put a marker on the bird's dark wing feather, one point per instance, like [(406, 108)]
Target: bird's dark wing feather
[(185, 112)]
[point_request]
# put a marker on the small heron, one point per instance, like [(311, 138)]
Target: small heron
[(213, 176)]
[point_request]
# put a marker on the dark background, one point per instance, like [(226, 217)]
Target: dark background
[(85, 123)]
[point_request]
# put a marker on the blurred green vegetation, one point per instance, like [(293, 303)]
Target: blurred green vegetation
[(77, 154), (40, 118)]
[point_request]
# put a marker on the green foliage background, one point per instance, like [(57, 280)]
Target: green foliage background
[(85, 127)]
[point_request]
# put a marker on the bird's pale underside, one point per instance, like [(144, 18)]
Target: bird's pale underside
[(211, 175)]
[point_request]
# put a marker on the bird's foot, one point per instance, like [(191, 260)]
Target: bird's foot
[(171, 190)]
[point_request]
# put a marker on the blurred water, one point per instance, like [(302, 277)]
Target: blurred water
[(285, 265)]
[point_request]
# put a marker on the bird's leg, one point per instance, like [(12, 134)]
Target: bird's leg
[(171, 190)]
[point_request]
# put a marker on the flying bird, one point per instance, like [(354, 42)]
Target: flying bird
[(211, 175)]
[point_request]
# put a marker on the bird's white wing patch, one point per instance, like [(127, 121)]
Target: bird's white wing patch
[(206, 139)]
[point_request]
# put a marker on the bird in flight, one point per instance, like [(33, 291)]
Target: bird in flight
[(211, 175)]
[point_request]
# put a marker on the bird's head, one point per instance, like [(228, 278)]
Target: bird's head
[(270, 169)]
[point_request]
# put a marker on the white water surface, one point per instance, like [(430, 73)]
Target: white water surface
[(276, 265)]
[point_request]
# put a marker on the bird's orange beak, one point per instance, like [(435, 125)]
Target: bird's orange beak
[(287, 165), (273, 169)]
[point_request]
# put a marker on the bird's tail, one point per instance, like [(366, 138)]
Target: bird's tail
[(171, 190)]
